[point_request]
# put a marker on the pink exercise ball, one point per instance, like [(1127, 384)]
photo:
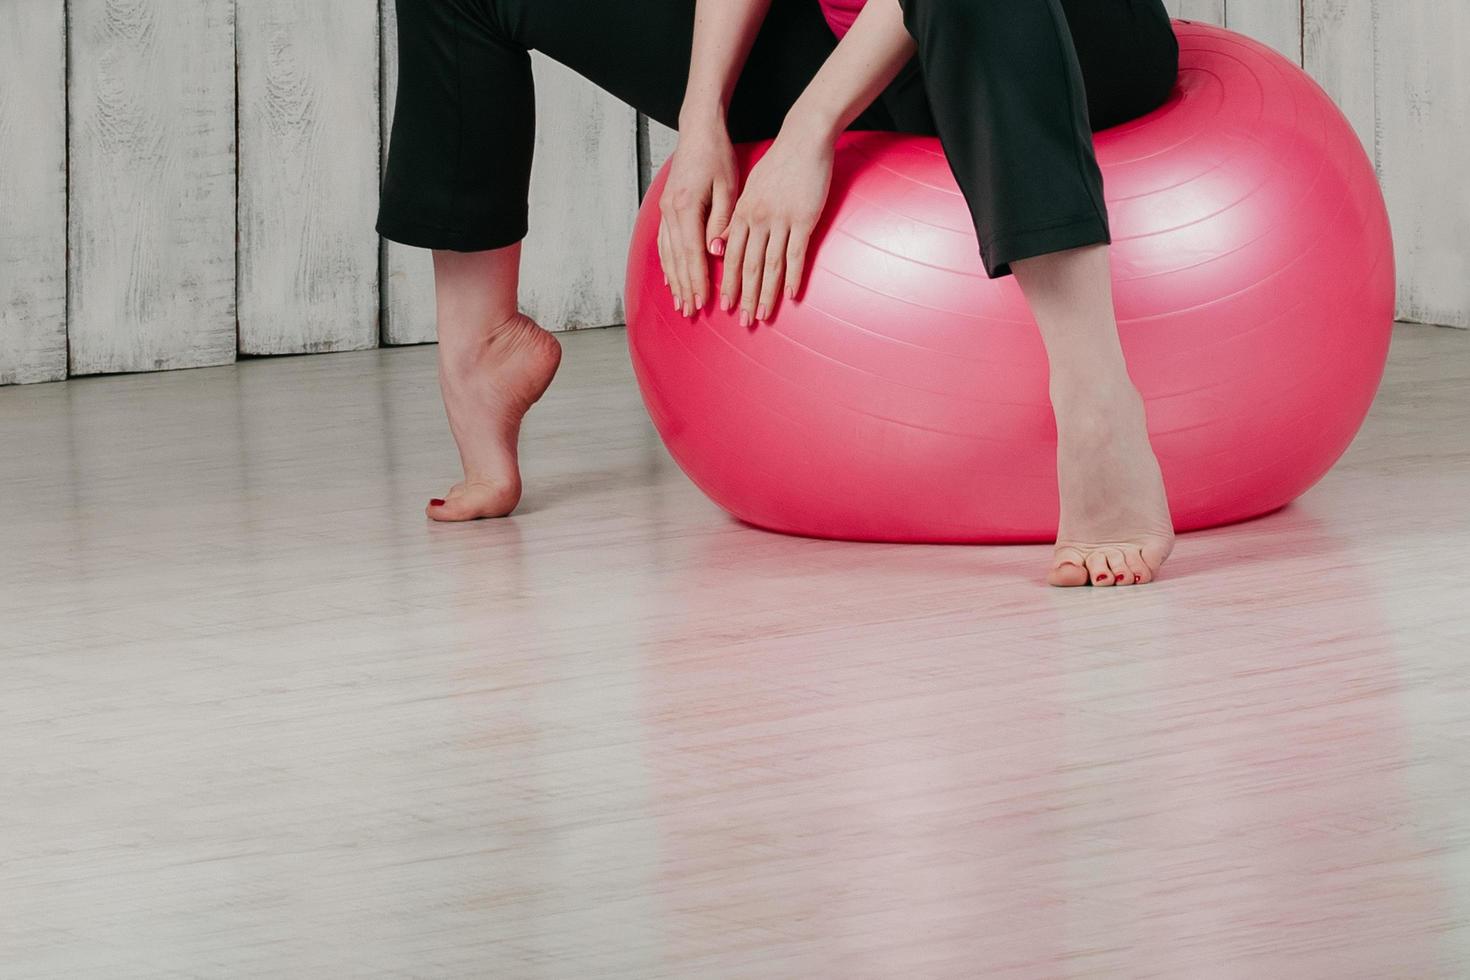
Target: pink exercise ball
[(904, 396)]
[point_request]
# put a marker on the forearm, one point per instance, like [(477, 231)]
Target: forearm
[(864, 62), (724, 31)]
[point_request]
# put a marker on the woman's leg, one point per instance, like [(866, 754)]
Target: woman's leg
[(459, 167), (1016, 90), (1115, 527)]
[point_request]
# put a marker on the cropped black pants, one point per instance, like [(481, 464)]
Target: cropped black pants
[(1014, 90)]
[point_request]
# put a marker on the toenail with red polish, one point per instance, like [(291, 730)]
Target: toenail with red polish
[(1137, 578), (436, 502)]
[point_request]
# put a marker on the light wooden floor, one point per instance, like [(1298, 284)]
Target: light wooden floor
[(259, 718)]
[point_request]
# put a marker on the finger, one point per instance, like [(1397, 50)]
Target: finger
[(679, 279), (682, 291), (696, 265), (796, 258), (771, 275), (721, 207), (750, 274), (734, 254), (663, 249)]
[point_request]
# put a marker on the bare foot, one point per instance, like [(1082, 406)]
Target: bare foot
[(1115, 527), (488, 388)]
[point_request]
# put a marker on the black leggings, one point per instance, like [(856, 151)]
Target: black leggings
[(1014, 90)]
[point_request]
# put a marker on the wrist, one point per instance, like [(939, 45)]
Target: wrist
[(702, 117), (810, 125)]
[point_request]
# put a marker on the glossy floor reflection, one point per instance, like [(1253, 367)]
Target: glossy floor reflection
[(259, 718)]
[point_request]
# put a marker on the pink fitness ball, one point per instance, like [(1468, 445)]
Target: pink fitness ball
[(903, 396)]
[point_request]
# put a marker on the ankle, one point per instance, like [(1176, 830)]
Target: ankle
[(484, 339), (1097, 385)]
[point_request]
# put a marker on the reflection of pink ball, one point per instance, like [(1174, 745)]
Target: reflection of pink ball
[(904, 396)]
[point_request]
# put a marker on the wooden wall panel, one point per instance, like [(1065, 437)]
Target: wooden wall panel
[(1339, 50), (308, 115), (584, 195), (1423, 95), (1205, 11), (658, 142), (1276, 22), (32, 191), (151, 277)]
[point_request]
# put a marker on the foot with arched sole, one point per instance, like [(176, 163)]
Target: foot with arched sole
[(488, 388)]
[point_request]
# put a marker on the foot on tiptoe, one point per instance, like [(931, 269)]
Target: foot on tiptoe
[(488, 388)]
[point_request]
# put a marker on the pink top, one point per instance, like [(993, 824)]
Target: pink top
[(841, 13)]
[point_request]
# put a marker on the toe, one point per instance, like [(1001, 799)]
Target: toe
[(436, 508), (451, 509), (1067, 569), (1118, 566), (1138, 569), (1154, 554), (473, 500), (1067, 575), (1097, 567)]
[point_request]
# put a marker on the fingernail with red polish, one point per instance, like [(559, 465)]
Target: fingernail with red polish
[(436, 502)]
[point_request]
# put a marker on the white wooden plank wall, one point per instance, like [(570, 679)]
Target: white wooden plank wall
[(151, 277), (32, 191), (659, 143), (584, 197), (140, 268), (308, 104), (1207, 11), (1338, 42), (1276, 22), (1423, 144)]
